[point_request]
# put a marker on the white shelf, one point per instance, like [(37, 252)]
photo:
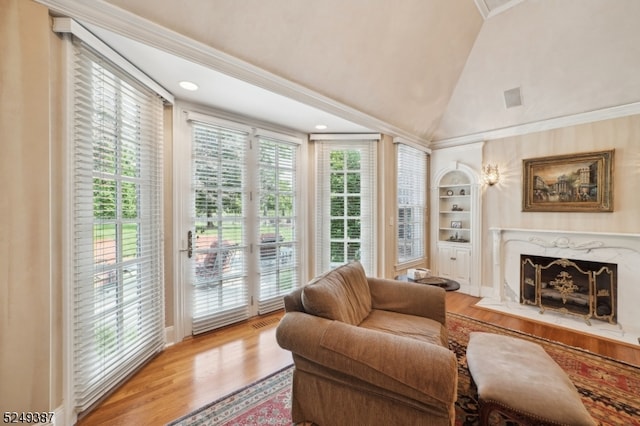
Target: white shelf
[(454, 243), (455, 185), (457, 246), (454, 207)]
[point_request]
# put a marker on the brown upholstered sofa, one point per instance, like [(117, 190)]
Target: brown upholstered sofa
[(369, 351)]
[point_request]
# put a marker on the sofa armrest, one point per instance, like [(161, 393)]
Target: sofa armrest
[(409, 298), (408, 367), (293, 301)]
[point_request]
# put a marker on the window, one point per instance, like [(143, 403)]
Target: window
[(411, 182), (117, 261), (346, 204)]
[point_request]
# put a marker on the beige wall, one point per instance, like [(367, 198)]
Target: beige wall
[(32, 219), (502, 203), (30, 347)]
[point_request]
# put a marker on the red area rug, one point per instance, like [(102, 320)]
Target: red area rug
[(610, 389), (265, 402)]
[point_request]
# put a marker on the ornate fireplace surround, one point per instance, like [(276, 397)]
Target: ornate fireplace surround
[(623, 250)]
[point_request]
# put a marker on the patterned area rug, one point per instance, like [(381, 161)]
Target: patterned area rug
[(609, 388), (265, 402)]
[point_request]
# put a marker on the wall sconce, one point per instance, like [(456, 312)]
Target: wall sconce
[(491, 174)]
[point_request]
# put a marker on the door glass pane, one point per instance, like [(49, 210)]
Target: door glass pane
[(219, 282), (278, 222)]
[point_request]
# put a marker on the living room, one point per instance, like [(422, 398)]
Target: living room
[(574, 63)]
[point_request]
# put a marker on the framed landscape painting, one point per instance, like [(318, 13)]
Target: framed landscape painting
[(568, 183)]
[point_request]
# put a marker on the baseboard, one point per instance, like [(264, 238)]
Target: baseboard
[(487, 292), (169, 336), (59, 417)]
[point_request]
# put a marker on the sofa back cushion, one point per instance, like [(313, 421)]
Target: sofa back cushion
[(341, 294)]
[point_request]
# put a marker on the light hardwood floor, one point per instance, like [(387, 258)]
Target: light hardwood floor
[(202, 369)]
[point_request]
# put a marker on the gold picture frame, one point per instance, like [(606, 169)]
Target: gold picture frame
[(568, 183)]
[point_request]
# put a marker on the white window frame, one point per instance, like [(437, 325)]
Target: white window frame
[(287, 252), (411, 195), (239, 308), (71, 29), (368, 144)]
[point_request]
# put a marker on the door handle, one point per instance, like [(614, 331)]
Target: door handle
[(189, 248)]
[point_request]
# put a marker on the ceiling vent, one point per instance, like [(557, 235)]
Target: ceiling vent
[(512, 97)]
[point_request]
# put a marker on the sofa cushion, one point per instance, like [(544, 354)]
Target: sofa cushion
[(375, 357), (412, 326), (341, 294)]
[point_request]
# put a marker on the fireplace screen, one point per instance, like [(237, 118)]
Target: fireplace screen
[(577, 287)]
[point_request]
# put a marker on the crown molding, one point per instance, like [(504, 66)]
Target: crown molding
[(345, 136), (543, 125), (488, 12), (144, 31), (69, 26)]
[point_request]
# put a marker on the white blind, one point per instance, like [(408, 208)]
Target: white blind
[(346, 205), (219, 272), (118, 308), (278, 245), (411, 182)]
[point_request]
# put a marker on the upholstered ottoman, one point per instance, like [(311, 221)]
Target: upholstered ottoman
[(518, 378)]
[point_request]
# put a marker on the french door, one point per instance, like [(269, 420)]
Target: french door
[(218, 268), (241, 227)]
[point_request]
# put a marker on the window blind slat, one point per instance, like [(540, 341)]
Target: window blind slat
[(117, 262), (345, 220), (278, 248), (219, 275), (411, 198)]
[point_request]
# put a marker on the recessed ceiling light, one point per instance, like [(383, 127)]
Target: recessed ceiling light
[(321, 126), (188, 85)]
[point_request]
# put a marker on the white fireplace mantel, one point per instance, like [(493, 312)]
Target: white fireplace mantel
[(618, 248)]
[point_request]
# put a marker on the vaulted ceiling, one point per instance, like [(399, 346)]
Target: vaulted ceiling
[(397, 60), (423, 69)]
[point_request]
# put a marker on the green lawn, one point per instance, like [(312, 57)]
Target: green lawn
[(106, 232), (231, 232)]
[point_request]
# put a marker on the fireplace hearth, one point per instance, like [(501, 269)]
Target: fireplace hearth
[(576, 287)]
